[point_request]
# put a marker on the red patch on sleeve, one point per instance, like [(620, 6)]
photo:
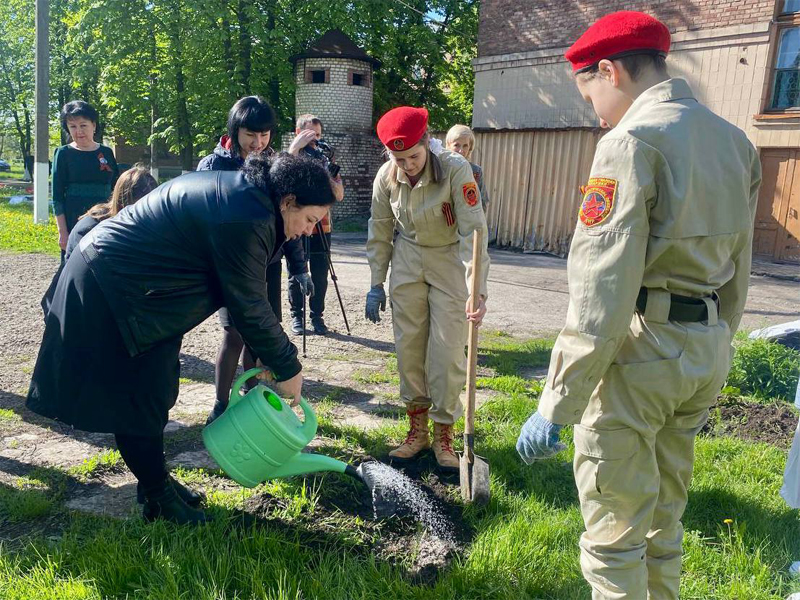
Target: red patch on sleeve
[(470, 193), (598, 200)]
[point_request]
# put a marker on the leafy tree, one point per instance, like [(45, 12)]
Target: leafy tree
[(17, 69), (167, 71)]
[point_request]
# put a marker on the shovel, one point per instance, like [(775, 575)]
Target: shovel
[(473, 469)]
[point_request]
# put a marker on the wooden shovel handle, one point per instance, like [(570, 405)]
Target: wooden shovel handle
[(472, 340)]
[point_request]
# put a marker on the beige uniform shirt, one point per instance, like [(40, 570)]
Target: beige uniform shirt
[(670, 204), (429, 214)]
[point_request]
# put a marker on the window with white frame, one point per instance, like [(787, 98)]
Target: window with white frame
[(786, 74)]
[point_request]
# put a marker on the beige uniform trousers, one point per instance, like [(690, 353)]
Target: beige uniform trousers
[(634, 451), (429, 293)]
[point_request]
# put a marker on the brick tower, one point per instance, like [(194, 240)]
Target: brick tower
[(334, 82)]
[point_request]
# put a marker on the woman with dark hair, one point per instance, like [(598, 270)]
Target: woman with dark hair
[(133, 184), (141, 280), (250, 124), (84, 171)]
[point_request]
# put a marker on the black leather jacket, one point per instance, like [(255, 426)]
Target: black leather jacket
[(223, 160), (197, 243)]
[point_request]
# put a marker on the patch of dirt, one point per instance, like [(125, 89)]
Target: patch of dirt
[(398, 540), (773, 424)]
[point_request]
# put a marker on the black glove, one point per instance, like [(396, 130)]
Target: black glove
[(305, 283), (376, 299)]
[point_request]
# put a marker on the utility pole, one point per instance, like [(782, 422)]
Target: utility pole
[(41, 167)]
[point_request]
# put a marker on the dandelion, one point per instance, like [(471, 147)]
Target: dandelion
[(728, 521)]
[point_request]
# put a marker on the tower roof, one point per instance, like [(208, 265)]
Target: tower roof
[(335, 44)]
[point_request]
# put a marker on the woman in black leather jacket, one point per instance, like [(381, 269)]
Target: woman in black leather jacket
[(109, 356)]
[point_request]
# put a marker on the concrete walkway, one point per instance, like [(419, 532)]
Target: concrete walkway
[(528, 293)]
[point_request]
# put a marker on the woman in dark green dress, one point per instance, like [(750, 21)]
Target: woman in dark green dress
[(84, 172)]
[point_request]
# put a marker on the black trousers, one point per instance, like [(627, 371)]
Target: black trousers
[(318, 265), (144, 456)]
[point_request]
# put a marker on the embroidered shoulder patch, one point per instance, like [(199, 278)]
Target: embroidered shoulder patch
[(598, 200), (470, 193)]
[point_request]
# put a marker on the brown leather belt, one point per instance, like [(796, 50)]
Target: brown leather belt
[(681, 308)]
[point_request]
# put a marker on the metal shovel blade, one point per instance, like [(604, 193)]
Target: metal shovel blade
[(474, 479)]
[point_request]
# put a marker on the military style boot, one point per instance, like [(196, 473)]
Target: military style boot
[(418, 439), (443, 447), (165, 503)]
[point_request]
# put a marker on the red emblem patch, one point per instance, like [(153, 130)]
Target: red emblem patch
[(598, 200), (470, 193), (398, 144)]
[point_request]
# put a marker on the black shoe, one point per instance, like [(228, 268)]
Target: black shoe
[(192, 498), (216, 412), (319, 327), (167, 504), (297, 325)]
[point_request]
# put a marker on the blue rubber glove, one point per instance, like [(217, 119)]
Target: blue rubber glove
[(376, 300), (539, 439), (305, 283)]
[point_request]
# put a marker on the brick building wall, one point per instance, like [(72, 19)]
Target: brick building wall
[(726, 67), (511, 26)]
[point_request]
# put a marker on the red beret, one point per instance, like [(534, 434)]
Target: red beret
[(616, 35), (402, 127)]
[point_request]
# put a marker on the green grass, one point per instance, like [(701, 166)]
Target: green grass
[(33, 496), (526, 544), (18, 233), (386, 374), (8, 416), (95, 465), (17, 172), (525, 547), (505, 355), (351, 225), (196, 379)]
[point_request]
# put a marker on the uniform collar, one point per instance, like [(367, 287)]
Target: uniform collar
[(423, 180), (666, 91)]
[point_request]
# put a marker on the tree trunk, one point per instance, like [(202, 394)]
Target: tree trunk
[(245, 46), (153, 108), (184, 125), (274, 82), (227, 44)]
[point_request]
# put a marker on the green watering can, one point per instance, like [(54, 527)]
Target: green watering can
[(259, 437)]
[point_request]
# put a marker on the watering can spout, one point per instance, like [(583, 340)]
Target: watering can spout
[(305, 463)]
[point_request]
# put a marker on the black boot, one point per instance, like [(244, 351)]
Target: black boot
[(216, 412), (192, 498), (297, 325), (165, 503), (318, 325)]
